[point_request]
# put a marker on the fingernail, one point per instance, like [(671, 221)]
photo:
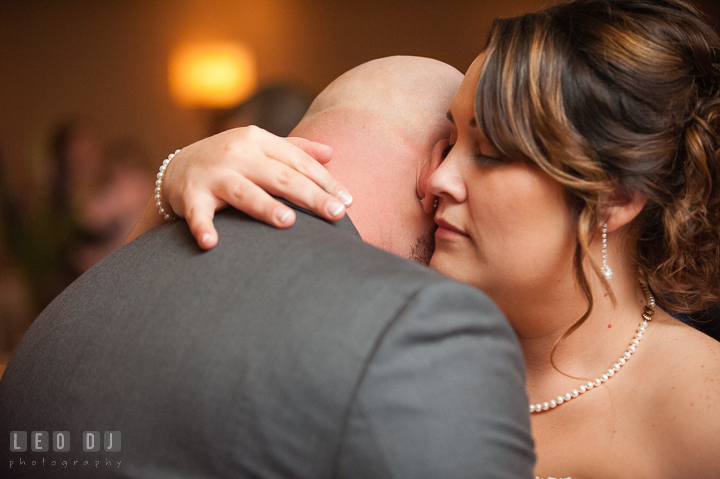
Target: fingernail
[(205, 239), (345, 197), (283, 215), (334, 208)]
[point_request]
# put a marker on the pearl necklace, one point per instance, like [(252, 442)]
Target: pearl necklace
[(583, 388)]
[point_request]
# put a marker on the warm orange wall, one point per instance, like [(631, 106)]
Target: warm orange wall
[(107, 59)]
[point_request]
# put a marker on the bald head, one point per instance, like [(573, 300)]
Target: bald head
[(382, 119)]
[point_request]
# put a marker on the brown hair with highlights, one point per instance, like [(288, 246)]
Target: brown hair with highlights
[(610, 97)]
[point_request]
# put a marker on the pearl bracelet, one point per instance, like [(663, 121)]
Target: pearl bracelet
[(158, 187)]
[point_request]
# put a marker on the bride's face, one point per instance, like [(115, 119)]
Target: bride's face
[(503, 225)]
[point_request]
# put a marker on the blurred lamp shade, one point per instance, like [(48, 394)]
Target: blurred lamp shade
[(212, 75)]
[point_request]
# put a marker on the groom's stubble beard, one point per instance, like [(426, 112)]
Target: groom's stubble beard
[(424, 247)]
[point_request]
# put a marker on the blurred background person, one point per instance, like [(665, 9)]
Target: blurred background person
[(86, 198), (108, 215), (276, 108), (16, 311), (46, 228)]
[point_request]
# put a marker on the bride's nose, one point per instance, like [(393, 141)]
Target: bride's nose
[(447, 181)]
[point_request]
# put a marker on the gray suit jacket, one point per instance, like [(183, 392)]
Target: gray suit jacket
[(298, 353)]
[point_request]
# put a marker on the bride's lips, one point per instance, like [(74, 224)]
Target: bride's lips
[(447, 231)]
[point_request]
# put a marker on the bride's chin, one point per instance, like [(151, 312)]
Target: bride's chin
[(442, 262), (458, 268), (435, 262)]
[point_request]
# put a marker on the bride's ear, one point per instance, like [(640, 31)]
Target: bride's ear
[(621, 208)]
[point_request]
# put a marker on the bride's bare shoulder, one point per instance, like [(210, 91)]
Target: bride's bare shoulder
[(689, 360), (686, 374), (684, 348), (673, 330)]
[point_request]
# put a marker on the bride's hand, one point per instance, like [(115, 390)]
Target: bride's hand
[(243, 167)]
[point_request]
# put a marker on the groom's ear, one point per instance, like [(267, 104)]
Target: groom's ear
[(621, 207), (424, 173)]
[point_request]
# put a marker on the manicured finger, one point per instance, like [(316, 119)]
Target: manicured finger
[(283, 181), (320, 151), (199, 213), (246, 196), (303, 163)]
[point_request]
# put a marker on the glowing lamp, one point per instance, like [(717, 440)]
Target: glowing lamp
[(214, 75)]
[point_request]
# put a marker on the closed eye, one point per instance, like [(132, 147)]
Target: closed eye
[(488, 160)]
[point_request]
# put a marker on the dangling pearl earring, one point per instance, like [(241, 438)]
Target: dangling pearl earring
[(605, 270)]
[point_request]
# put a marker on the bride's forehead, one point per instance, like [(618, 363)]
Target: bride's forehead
[(464, 102)]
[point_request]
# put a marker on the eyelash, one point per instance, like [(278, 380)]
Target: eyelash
[(487, 160), (482, 159)]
